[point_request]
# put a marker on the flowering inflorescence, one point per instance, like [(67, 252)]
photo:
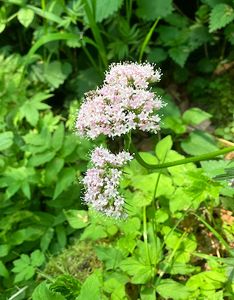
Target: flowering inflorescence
[(124, 103), (102, 182)]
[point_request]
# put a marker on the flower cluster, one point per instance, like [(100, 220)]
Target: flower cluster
[(122, 104), (102, 181), (132, 74)]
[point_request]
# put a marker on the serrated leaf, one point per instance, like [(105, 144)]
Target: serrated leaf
[(91, 289), (77, 218), (105, 8), (6, 140), (170, 289), (110, 256), (221, 15), (151, 10), (140, 272), (179, 54), (55, 73), (25, 16), (65, 179), (37, 258), (25, 274), (29, 111)]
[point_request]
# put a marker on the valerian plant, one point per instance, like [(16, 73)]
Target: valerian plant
[(146, 220), (122, 106)]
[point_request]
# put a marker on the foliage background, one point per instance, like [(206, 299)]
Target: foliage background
[(51, 52)]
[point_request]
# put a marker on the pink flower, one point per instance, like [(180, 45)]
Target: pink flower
[(102, 181), (132, 74), (118, 106)]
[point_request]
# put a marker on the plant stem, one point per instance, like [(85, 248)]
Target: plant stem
[(147, 39), (145, 234), (181, 161)]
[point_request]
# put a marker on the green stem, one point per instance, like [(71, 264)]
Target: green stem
[(147, 39), (127, 141), (181, 161), (145, 234)]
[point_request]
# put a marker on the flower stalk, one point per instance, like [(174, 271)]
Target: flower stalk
[(187, 160)]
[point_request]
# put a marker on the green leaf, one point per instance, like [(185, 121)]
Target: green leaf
[(170, 289), (105, 8), (41, 158), (37, 258), (151, 10), (195, 116), (45, 14), (175, 124), (157, 55), (24, 272), (65, 179), (29, 111), (110, 256), (55, 73), (91, 289), (49, 37), (25, 187), (25, 234), (199, 142), (57, 138), (180, 200), (179, 54), (148, 293), (25, 16), (208, 280), (61, 235), (6, 140), (163, 147), (229, 33), (221, 15), (3, 270), (213, 168), (77, 218), (94, 232), (4, 250), (52, 169), (140, 272), (42, 292), (46, 239)]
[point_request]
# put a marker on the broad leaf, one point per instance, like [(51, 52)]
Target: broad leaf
[(163, 147), (151, 10), (198, 143), (25, 16), (6, 140), (66, 178), (91, 289), (195, 116), (170, 289)]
